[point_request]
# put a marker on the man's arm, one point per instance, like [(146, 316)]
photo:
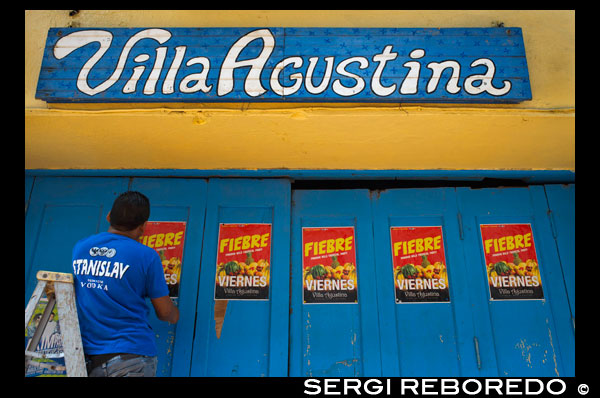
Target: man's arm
[(165, 309)]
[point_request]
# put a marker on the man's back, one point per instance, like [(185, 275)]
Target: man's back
[(113, 276)]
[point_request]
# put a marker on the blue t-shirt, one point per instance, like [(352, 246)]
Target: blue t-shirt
[(113, 276)]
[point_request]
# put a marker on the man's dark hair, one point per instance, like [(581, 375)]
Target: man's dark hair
[(130, 210)]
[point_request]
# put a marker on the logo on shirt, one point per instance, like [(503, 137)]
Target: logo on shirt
[(102, 251)]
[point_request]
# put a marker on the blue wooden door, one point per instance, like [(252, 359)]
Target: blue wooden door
[(178, 200), (425, 335), (332, 338), (61, 211), (561, 202), (241, 336), (466, 333), (517, 336)]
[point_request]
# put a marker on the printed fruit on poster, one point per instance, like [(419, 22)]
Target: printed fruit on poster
[(334, 271), (249, 267), (517, 267), (425, 270), (171, 267)]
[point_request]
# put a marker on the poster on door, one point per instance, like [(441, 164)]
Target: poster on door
[(419, 264), (167, 238), (511, 262), (51, 360), (243, 262), (329, 265)]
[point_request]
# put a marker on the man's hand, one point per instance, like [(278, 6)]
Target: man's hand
[(165, 309)]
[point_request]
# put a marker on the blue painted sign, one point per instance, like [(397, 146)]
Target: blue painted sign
[(468, 65)]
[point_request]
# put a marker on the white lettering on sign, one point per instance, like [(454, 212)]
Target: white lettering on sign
[(474, 84), (75, 40)]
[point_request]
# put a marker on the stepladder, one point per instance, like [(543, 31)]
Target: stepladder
[(59, 291)]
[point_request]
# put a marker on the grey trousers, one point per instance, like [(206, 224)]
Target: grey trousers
[(139, 366)]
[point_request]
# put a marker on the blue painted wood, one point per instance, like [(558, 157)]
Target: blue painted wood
[(557, 294), (29, 181), (561, 201), (517, 337), (375, 337), (529, 176), (334, 340), (360, 57), (254, 335), (423, 339), (178, 200), (61, 211)]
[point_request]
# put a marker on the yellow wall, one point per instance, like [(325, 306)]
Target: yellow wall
[(533, 135)]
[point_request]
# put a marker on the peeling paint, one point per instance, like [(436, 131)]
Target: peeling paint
[(530, 352), (526, 351), (553, 350), (338, 367), (307, 328), (219, 316), (347, 362), (170, 340)]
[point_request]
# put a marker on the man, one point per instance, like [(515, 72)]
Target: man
[(114, 273)]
